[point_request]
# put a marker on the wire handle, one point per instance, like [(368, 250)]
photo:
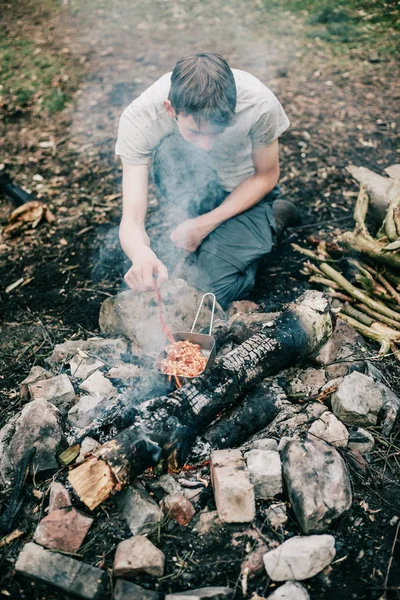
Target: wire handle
[(199, 309)]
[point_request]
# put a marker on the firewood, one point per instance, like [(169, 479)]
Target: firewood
[(168, 425)]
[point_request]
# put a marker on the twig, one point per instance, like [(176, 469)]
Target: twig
[(361, 208), (383, 340), (391, 556), (389, 288), (312, 254), (377, 316), (357, 314), (324, 281)]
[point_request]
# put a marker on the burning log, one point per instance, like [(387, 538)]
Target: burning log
[(167, 426)]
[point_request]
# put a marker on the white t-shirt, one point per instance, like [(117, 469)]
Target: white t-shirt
[(260, 119)]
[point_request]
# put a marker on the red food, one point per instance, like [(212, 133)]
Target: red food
[(184, 359)]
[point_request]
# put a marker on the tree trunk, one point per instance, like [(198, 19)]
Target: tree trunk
[(170, 424)]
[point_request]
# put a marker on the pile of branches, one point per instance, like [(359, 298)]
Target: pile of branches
[(362, 271)]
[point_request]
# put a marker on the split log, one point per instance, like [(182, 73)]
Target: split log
[(168, 425), (380, 189), (258, 409)]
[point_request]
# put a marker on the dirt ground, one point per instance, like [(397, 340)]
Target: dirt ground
[(341, 101)]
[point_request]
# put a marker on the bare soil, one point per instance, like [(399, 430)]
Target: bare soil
[(342, 106)]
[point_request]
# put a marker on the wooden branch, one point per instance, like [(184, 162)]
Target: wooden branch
[(168, 425), (361, 208), (324, 281), (357, 293), (378, 316), (389, 223), (356, 314), (363, 243), (367, 332)]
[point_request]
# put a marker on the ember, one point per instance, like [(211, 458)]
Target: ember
[(183, 359)]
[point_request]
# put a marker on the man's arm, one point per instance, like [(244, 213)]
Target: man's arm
[(132, 232), (191, 233)]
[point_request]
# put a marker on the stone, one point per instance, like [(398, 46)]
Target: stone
[(136, 316), (264, 444), (243, 306), (58, 390), (89, 408), (127, 374), (110, 351), (169, 484), (38, 425), (234, 493), (265, 470), (59, 496), (361, 440), (306, 383), (326, 353), (300, 557), (63, 572), (88, 445), (391, 406), (179, 508), (136, 556), (126, 590), (317, 483), (139, 509), (328, 428), (293, 420), (357, 400), (98, 385), (35, 374), (82, 366), (277, 515), (209, 593), (6, 463), (291, 590), (63, 529), (207, 521)]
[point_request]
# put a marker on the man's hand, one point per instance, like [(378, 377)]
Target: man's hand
[(189, 234), (146, 266)]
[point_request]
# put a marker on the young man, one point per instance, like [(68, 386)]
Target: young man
[(213, 135)]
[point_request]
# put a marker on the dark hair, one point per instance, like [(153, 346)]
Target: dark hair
[(203, 85)]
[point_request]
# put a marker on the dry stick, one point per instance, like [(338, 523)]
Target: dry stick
[(391, 556), (356, 314), (370, 285), (312, 254), (357, 293), (362, 242), (361, 208), (324, 281), (340, 296), (383, 340), (377, 316), (389, 288), (389, 222)]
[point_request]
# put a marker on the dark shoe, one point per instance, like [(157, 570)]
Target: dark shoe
[(286, 215)]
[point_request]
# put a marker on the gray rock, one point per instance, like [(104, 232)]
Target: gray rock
[(234, 493), (6, 463), (99, 385), (82, 365), (357, 400), (38, 425), (59, 496), (277, 515), (265, 470), (58, 390), (306, 383), (291, 590), (35, 374), (317, 483), (300, 557), (136, 556), (209, 593), (264, 444), (391, 406), (328, 428), (125, 590), (293, 420), (169, 484), (139, 509), (361, 440), (110, 351), (136, 316), (88, 445), (63, 572), (127, 374), (206, 522), (89, 408)]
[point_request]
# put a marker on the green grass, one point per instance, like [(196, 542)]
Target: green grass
[(32, 78), (364, 25)]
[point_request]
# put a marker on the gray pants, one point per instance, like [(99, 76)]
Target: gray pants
[(226, 261)]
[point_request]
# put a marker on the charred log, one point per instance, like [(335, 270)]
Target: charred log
[(173, 422)]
